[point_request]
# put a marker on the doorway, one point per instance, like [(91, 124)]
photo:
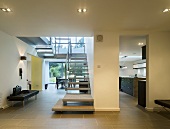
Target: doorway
[(132, 65)]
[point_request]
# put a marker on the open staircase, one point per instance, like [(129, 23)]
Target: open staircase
[(78, 96)]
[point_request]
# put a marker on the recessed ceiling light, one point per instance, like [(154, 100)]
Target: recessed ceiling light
[(6, 9), (3, 10), (166, 10), (140, 44), (79, 10), (82, 10)]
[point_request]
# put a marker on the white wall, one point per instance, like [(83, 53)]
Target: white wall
[(90, 59), (158, 73), (10, 51), (106, 72), (129, 71)]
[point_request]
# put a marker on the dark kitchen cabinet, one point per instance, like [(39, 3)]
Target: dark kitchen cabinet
[(144, 52), (142, 93), (127, 85)]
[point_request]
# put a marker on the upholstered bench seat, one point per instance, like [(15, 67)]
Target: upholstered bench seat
[(164, 103), (22, 95)]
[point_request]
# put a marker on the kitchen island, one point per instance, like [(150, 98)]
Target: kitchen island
[(129, 85)]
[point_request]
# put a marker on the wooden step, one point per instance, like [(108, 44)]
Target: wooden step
[(78, 55), (78, 58), (79, 66), (82, 89), (75, 83), (78, 98), (78, 78), (78, 69), (84, 62), (80, 72), (60, 107)]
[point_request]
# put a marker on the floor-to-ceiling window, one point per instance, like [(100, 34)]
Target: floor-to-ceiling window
[(56, 69)]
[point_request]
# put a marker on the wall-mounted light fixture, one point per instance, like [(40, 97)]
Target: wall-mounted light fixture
[(23, 58)]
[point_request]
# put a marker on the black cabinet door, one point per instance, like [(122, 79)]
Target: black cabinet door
[(144, 52), (142, 93), (127, 85)]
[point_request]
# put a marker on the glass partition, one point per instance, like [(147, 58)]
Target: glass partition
[(63, 45)]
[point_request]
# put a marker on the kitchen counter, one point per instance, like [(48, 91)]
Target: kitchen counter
[(131, 77), (129, 85), (143, 80)]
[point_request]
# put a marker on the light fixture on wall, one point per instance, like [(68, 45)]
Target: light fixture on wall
[(23, 58)]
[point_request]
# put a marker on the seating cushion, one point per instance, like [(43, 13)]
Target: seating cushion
[(165, 103), (24, 94)]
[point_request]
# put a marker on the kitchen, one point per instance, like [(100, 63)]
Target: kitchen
[(132, 61)]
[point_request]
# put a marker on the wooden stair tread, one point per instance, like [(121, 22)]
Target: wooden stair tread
[(78, 58), (77, 88), (78, 78), (77, 61), (79, 66), (78, 98), (78, 82), (59, 107)]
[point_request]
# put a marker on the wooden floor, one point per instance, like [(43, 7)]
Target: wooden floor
[(37, 114)]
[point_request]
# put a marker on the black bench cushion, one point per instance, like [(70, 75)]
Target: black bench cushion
[(165, 103), (24, 94)]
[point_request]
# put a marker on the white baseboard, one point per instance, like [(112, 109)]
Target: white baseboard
[(149, 109), (107, 109), (6, 106)]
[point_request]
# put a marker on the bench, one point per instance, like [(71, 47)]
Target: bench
[(22, 95), (164, 103)]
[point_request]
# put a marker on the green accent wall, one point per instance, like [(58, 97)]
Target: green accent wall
[(36, 73)]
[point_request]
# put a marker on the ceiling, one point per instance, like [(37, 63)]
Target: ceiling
[(46, 18), (41, 18)]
